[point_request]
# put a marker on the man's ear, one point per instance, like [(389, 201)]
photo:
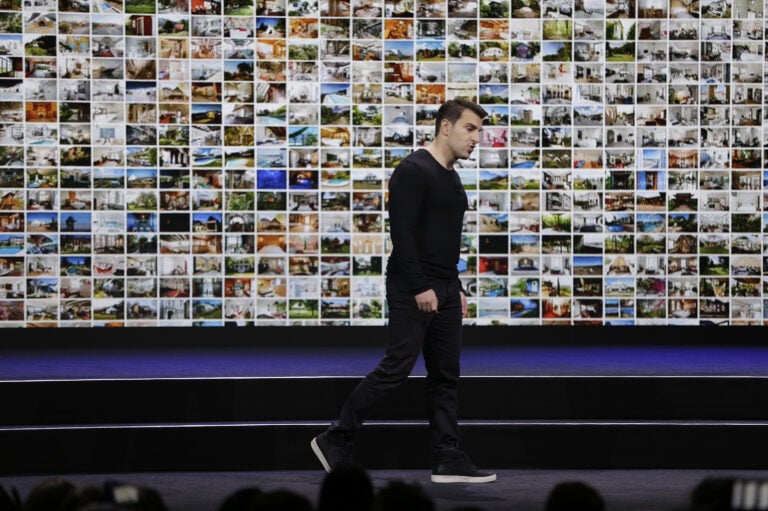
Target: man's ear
[(445, 125)]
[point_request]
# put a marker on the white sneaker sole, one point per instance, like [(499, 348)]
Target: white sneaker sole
[(463, 479), (319, 454)]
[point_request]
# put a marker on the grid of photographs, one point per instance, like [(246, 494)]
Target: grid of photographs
[(215, 162)]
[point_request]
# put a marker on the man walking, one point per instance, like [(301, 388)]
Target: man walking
[(426, 301)]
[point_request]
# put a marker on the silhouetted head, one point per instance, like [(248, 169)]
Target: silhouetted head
[(712, 494), (284, 500), (48, 494), (574, 496), (244, 499), (399, 496), (347, 488)]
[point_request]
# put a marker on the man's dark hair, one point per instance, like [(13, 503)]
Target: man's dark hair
[(452, 109)]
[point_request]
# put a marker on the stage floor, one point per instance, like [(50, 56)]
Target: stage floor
[(547, 361)]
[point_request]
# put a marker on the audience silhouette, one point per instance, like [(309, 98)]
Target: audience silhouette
[(244, 499), (48, 494), (574, 496), (401, 496), (712, 494), (284, 500), (727, 494), (9, 501), (350, 488), (84, 497)]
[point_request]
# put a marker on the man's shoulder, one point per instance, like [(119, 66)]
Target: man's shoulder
[(416, 155), (413, 172), (418, 159)]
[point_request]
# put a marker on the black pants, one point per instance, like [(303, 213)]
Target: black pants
[(410, 331)]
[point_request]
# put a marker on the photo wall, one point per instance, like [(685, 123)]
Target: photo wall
[(225, 162)]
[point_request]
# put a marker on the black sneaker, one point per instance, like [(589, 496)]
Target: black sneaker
[(332, 453), (453, 466)]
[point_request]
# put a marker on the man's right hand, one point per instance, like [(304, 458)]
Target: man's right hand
[(427, 301)]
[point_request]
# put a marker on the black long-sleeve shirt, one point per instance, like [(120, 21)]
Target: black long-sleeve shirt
[(426, 211)]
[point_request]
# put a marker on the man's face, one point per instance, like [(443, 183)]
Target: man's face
[(464, 134)]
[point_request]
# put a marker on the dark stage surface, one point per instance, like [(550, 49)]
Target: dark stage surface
[(239, 362)]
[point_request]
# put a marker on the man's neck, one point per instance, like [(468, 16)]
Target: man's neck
[(441, 154)]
